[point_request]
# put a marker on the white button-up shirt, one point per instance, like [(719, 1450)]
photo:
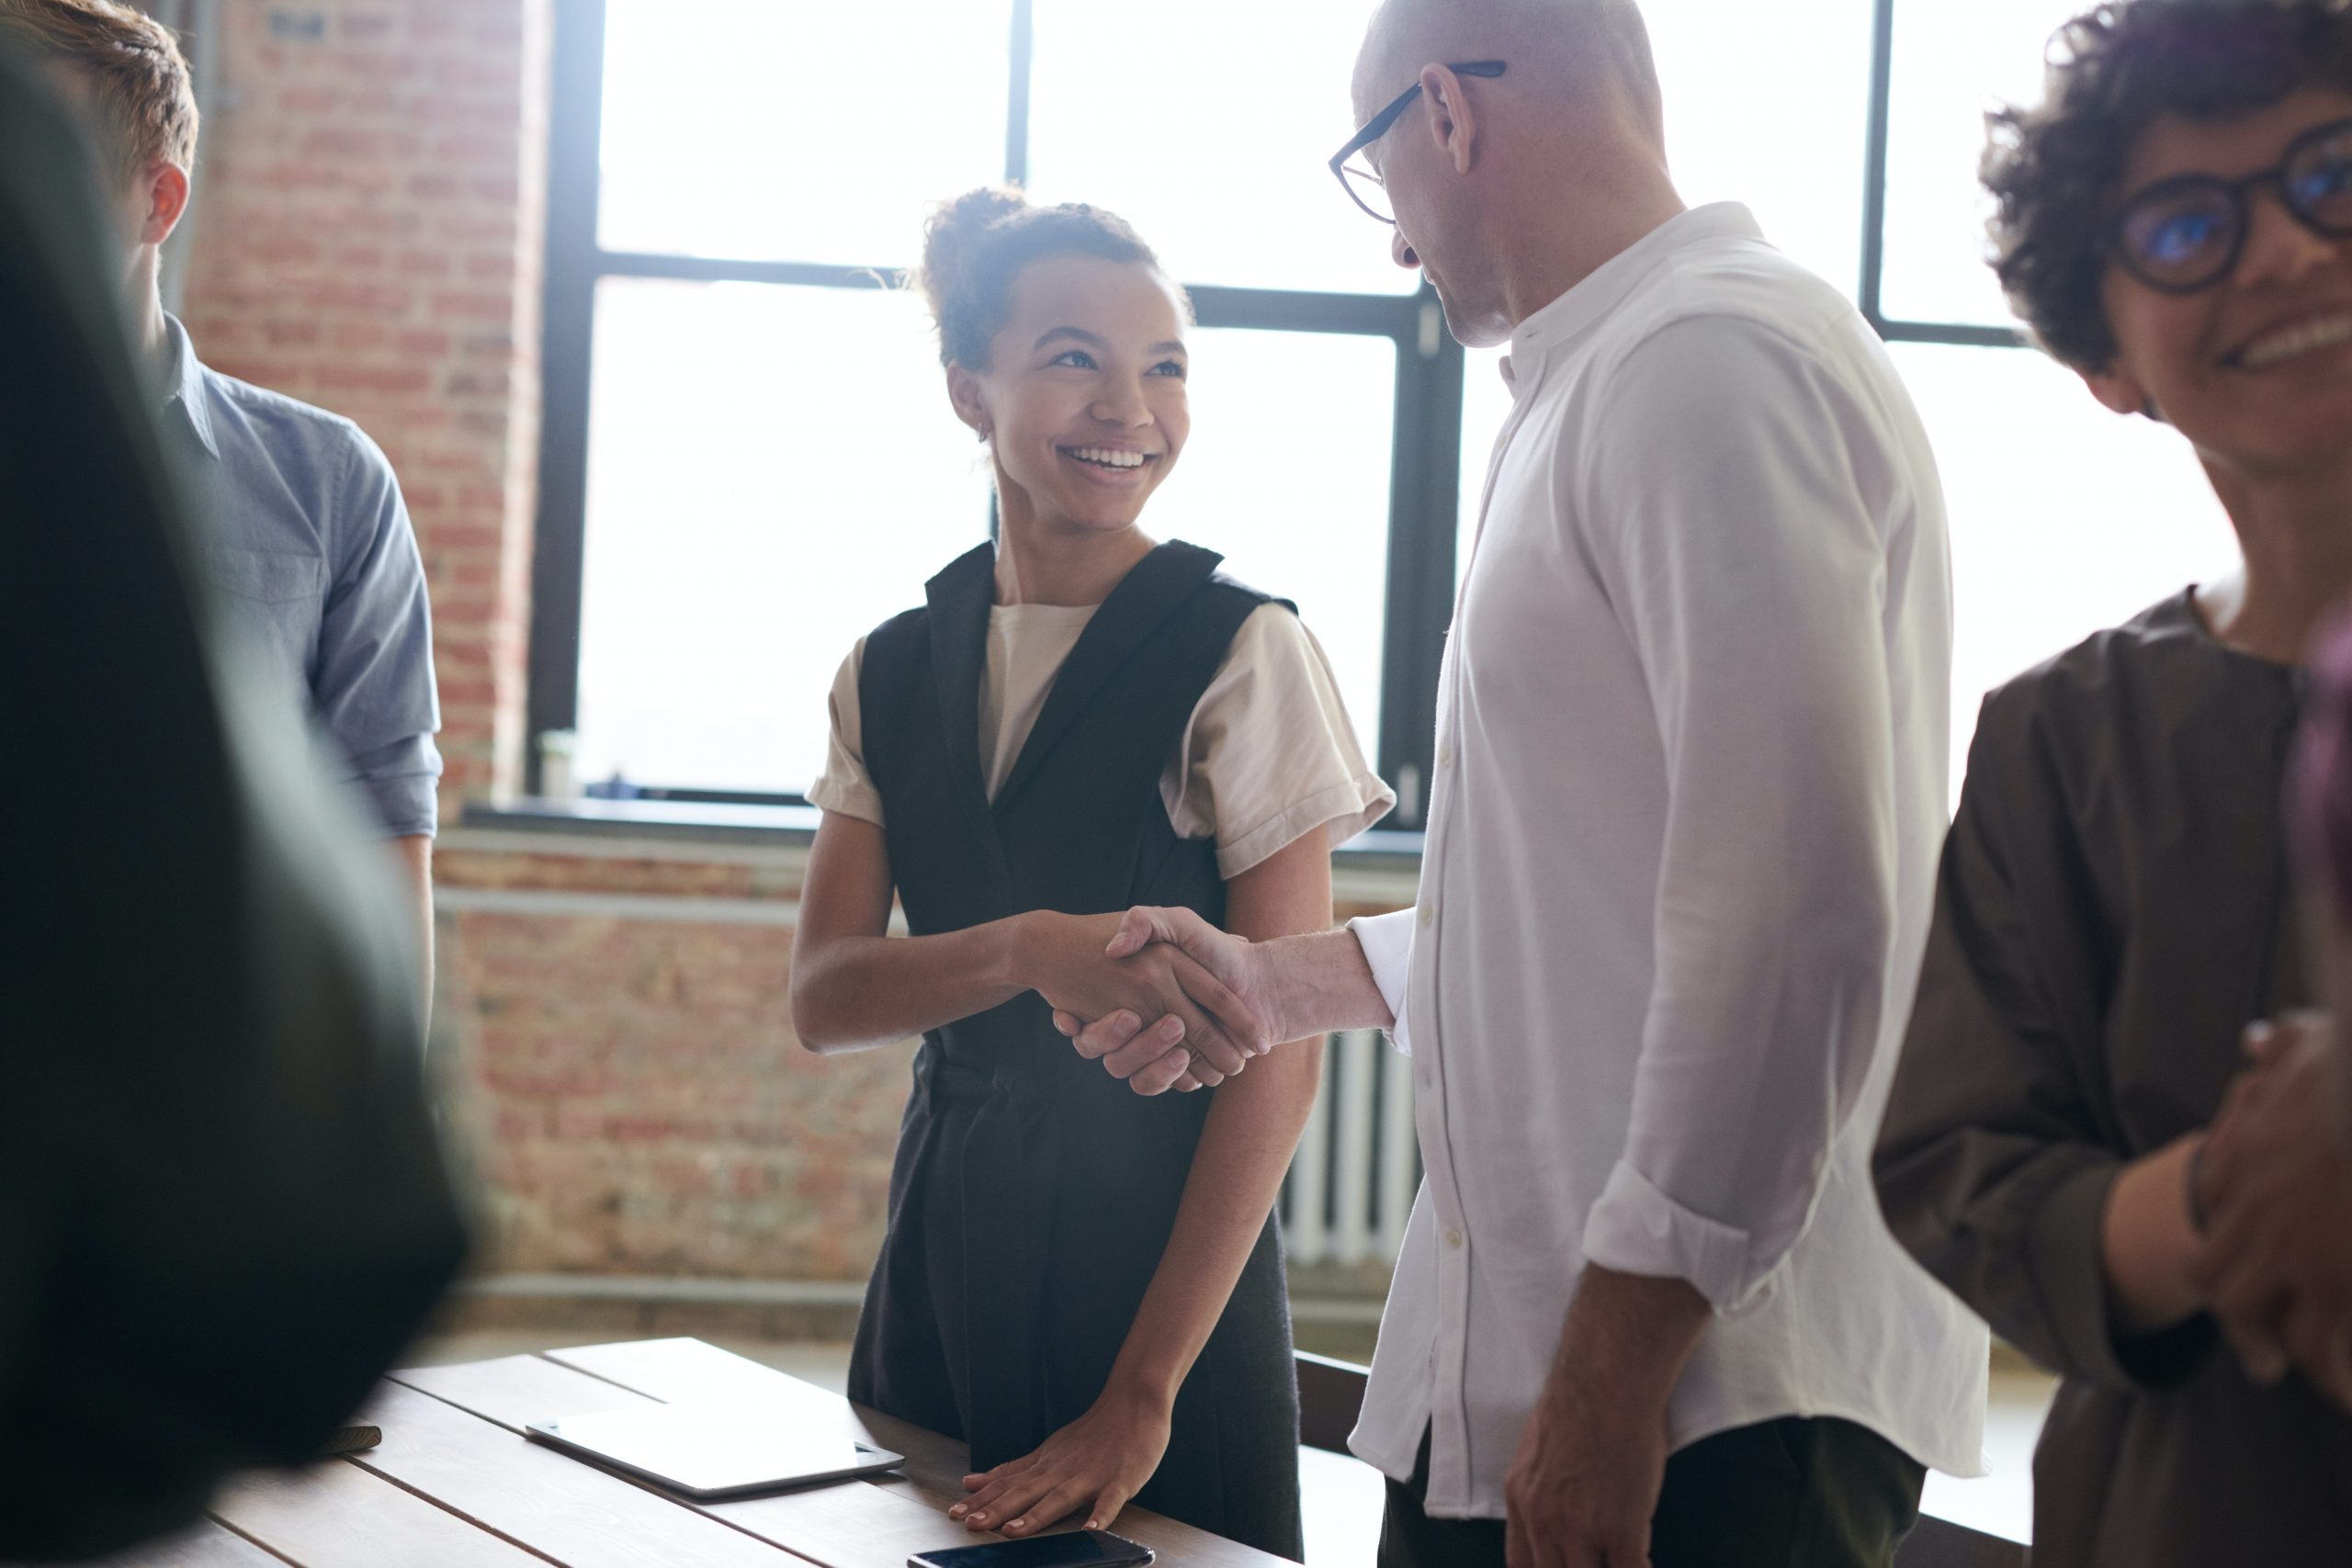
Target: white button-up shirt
[(1692, 743)]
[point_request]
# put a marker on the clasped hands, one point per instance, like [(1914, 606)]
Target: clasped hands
[(2273, 1184), (1161, 997)]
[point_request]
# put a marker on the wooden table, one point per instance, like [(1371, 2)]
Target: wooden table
[(455, 1484)]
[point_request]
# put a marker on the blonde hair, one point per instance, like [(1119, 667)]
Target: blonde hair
[(145, 103)]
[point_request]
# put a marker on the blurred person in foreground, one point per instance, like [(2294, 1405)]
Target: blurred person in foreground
[(1691, 758), (221, 1208), (2174, 220), (308, 540)]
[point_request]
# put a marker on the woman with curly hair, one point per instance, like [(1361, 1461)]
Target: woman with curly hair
[(2115, 909)]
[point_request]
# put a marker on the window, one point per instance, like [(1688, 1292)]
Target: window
[(749, 458), (2065, 517), (750, 462)]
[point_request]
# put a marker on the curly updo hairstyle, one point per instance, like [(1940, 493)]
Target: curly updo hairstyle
[(976, 245), (2056, 171)]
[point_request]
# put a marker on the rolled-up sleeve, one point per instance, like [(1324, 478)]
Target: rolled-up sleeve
[(1991, 1168), (1761, 625), (372, 686)]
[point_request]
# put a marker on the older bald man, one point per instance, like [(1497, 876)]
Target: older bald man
[(1692, 764)]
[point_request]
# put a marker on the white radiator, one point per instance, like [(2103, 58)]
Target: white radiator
[(1351, 1185)]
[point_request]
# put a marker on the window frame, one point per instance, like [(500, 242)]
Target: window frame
[(1877, 153), (1424, 482)]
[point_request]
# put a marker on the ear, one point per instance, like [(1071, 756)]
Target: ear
[(2119, 389), (964, 396), (167, 194), (1452, 120)]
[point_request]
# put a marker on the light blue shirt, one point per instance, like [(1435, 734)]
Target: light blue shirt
[(314, 555)]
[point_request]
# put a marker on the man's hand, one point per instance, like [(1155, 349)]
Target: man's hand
[(1091, 968), (1152, 1060), (1592, 1456), (2277, 1188)]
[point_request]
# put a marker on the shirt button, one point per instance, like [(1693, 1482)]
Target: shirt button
[(1428, 914), (1453, 1240), (1445, 756)]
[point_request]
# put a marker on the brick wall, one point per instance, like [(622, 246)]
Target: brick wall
[(372, 191)]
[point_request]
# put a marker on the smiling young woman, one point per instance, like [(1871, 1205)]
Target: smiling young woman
[(1078, 720), (2175, 223)]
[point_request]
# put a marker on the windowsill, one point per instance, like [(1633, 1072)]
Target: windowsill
[(795, 826)]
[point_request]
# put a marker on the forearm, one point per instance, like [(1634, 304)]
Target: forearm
[(1321, 983), (2148, 1242), (1251, 1131), (853, 993), (412, 864), (1627, 1338)]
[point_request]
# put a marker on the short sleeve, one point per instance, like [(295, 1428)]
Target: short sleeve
[(1270, 754), (845, 787)]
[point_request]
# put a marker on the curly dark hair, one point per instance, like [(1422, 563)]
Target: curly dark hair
[(2056, 170), (975, 246)]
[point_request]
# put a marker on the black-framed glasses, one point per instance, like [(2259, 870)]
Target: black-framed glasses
[(1363, 187), (2187, 233)]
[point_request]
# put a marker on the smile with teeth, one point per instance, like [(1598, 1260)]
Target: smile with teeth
[(2308, 338), (1107, 457)]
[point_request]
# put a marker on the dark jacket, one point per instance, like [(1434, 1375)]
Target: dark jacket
[(222, 1210)]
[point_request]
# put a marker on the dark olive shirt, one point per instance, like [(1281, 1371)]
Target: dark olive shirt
[(2113, 909)]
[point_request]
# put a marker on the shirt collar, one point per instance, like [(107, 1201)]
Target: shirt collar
[(1566, 317), (185, 384)]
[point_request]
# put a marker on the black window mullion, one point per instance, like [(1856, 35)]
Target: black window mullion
[(576, 138), (1017, 115), (1877, 152), (1423, 523)]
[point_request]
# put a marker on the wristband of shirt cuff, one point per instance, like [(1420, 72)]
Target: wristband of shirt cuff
[(1387, 943), (1637, 1229)]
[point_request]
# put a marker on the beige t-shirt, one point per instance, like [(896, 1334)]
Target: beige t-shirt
[(1269, 755)]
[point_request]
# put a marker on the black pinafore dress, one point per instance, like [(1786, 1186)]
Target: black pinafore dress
[(1032, 1194)]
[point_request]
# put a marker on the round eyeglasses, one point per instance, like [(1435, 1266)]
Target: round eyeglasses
[(2187, 233)]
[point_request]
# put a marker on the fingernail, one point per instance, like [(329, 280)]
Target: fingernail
[(957, 1512)]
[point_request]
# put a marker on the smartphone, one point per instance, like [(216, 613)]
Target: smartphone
[(1079, 1549)]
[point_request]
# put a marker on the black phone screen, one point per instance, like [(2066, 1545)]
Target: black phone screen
[(1079, 1549)]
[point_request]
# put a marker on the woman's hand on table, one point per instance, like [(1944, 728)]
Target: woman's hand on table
[(1096, 1463)]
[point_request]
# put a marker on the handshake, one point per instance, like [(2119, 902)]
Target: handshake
[(1161, 997), (2270, 1189)]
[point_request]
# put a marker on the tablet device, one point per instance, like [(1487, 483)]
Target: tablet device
[(712, 1451), (1079, 1549)]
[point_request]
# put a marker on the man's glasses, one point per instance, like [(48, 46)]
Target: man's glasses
[(2187, 233), (1363, 187)]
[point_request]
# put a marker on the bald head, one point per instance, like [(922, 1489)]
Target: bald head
[(1593, 52)]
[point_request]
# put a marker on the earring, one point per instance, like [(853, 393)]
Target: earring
[(984, 432)]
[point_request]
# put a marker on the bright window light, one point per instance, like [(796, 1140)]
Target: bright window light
[(789, 130), (1767, 104), (1287, 476), (1208, 128), (773, 472), (2065, 518), (1953, 64)]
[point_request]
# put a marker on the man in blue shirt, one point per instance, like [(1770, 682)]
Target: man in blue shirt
[(306, 537)]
